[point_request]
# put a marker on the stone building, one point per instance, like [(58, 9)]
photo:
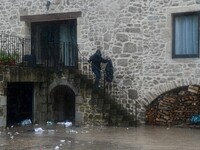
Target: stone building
[(146, 40)]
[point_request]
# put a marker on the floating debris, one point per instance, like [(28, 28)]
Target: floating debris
[(84, 131), (56, 148), (38, 130), (26, 122), (62, 141), (50, 123), (69, 142), (16, 133), (68, 124), (65, 124), (72, 131)]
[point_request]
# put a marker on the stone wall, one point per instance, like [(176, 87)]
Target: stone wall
[(43, 102), (136, 34)]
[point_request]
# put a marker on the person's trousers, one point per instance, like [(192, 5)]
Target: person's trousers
[(97, 77)]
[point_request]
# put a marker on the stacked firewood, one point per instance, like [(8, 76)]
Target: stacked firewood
[(174, 107)]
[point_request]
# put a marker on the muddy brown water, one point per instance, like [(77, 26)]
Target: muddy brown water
[(56, 137)]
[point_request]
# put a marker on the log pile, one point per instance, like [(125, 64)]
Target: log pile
[(174, 108)]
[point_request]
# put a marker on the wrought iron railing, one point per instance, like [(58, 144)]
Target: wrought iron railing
[(65, 54), (54, 54), (17, 50), (13, 48), (111, 89)]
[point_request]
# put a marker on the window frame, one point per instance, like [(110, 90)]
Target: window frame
[(173, 35), (42, 57)]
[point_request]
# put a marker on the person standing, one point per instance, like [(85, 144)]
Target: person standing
[(96, 60)]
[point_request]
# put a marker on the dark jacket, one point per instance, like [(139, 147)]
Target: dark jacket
[(96, 60)]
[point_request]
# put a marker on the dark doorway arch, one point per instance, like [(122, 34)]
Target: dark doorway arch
[(63, 103)]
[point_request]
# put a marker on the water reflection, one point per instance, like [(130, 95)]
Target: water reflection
[(57, 137)]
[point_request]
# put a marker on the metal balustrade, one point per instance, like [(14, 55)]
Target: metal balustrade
[(16, 50), (13, 48), (111, 90)]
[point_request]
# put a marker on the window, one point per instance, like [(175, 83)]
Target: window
[(54, 43), (185, 35)]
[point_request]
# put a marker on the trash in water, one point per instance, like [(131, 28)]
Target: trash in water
[(72, 131), (62, 141), (56, 148), (16, 133), (12, 137), (61, 123), (195, 119), (49, 123), (69, 142), (26, 122), (68, 124), (39, 130), (84, 131), (65, 124)]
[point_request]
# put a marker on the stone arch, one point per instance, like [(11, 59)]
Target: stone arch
[(160, 89), (56, 83), (63, 94), (63, 103)]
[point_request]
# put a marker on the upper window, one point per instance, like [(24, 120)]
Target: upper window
[(54, 43), (185, 35)]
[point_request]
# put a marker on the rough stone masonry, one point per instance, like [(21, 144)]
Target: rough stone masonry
[(135, 34)]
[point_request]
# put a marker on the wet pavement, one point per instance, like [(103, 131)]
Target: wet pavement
[(57, 137)]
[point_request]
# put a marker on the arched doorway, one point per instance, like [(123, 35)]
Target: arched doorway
[(63, 103)]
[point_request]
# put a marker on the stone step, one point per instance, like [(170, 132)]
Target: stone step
[(103, 103)]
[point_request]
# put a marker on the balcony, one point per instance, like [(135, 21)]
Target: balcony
[(21, 51), (12, 49)]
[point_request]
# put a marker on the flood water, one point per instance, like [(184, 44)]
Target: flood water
[(57, 137)]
